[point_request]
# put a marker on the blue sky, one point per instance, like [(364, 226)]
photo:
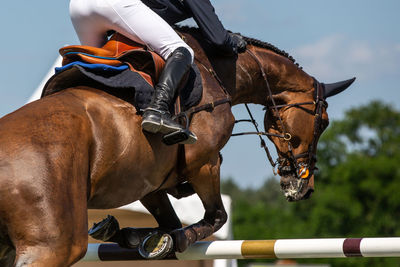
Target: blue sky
[(332, 40)]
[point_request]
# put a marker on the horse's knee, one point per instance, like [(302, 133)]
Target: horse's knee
[(216, 218)]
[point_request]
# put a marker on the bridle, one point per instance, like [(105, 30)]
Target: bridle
[(286, 164), (283, 164)]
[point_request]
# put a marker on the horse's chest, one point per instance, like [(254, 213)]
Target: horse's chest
[(130, 178), (119, 191)]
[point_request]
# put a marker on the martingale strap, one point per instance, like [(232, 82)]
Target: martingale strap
[(263, 144)]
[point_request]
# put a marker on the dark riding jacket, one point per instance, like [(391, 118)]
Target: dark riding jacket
[(202, 11)]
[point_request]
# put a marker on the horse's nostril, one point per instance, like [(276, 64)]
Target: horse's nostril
[(285, 180)]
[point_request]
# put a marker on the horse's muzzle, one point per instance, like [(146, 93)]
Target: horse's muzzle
[(295, 188)]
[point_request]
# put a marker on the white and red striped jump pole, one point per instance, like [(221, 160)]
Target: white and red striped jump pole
[(263, 249)]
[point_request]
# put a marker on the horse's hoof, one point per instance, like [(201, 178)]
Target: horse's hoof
[(105, 229), (156, 246), (181, 242)]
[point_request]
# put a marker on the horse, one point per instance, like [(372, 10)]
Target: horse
[(83, 148)]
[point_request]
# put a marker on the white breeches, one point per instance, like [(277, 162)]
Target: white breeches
[(93, 18)]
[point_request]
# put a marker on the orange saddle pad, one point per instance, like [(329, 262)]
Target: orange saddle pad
[(117, 51)]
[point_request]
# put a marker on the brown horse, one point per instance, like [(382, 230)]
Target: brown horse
[(83, 148)]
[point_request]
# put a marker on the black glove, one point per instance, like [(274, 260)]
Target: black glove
[(239, 42)]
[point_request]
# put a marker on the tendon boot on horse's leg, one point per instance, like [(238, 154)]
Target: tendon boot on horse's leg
[(157, 118), (152, 243), (108, 231)]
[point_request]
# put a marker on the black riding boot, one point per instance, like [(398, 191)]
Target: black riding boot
[(157, 118)]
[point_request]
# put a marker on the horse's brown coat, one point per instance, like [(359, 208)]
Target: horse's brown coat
[(83, 148)]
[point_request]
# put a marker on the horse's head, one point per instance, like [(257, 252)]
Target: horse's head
[(294, 122)]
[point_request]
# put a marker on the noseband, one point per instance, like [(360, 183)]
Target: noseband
[(284, 164)]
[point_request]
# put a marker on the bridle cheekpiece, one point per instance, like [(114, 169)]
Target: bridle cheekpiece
[(285, 164)]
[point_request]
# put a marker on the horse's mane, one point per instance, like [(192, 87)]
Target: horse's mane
[(269, 46), (252, 41)]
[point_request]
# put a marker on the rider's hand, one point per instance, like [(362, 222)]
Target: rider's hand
[(239, 42)]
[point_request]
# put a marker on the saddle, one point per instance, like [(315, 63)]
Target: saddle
[(106, 69), (117, 51)]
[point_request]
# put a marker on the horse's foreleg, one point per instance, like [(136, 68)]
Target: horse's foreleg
[(160, 207), (158, 204), (207, 185), (181, 190)]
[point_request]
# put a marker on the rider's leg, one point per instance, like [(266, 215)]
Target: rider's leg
[(157, 117), (138, 22), (90, 24)]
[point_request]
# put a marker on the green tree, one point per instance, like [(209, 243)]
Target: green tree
[(357, 188)]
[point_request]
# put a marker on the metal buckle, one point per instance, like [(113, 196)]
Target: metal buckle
[(287, 137)]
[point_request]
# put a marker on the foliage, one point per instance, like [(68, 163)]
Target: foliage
[(357, 188)]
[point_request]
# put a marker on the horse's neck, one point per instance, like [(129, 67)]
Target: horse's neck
[(282, 76), (249, 86)]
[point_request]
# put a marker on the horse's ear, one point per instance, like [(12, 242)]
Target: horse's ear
[(332, 89)]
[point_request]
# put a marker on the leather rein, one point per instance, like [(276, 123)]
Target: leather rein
[(283, 164)]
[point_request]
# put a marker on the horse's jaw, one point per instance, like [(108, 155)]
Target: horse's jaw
[(295, 189)]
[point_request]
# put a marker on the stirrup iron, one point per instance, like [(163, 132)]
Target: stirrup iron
[(181, 135), (176, 137)]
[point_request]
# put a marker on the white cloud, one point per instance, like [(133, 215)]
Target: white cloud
[(360, 53), (337, 56), (321, 49)]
